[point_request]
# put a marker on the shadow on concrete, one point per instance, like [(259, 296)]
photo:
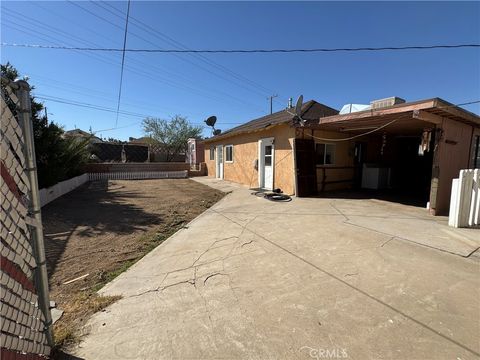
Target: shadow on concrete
[(92, 209), (395, 196)]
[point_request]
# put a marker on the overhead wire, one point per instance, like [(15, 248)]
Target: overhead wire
[(102, 108), (132, 69), (85, 105), (244, 51), (123, 60), (353, 137), (153, 44), (162, 36), (71, 89)]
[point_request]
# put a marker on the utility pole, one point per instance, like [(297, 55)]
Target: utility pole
[(271, 102)]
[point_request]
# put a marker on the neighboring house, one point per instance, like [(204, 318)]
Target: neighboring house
[(80, 134), (111, 152), (414, 149), (144, 140), (157, 151)]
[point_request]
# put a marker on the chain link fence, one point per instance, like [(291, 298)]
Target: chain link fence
[(26, 325)]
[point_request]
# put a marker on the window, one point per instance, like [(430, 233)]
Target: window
[(212, 153), (325, 154), (268, 155), (228, 153)]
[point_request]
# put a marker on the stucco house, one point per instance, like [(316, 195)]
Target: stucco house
[(259, 152), (413, 149)]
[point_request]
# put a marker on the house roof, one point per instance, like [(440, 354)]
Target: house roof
[(83, 134), (141, 140), (311, 110)]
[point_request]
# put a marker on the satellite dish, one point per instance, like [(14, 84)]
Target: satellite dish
[(211, 121), (217, 132), (298, 106)]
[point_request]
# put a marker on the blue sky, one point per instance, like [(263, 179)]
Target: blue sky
[(234, 87)]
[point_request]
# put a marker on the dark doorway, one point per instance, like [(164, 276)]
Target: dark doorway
[(305, 168), (360, 152), (411, 171)]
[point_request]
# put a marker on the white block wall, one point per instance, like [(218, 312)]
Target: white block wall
[(49, 194)]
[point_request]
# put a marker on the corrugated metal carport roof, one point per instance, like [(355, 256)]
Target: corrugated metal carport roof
[(430, 110)]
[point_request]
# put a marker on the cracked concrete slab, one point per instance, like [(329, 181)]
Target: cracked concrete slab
[(250, 278)]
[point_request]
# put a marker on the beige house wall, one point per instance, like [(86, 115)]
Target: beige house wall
[(453, 155), (245, 152)]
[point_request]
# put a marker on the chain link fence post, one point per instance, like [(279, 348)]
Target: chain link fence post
[(41, 277)]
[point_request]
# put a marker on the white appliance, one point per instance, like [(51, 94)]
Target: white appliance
[(375, 177)]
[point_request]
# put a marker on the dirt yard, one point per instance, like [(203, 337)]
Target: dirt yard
[(103, 228)]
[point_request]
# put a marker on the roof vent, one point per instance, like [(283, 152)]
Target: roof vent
[(387, 102)]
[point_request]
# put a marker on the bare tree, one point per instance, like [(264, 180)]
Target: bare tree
[(171, 135)]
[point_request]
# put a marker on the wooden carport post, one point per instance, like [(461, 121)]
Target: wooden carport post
[(437, 122)]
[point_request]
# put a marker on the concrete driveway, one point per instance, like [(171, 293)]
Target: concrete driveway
[(312, 278)]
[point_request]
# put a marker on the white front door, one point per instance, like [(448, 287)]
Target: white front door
[(266, 159), (219, 162)]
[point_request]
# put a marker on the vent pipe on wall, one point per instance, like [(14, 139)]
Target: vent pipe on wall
[(290, 103)]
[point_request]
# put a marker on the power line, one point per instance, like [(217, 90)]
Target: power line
[(139, 71), (134, 70), (148, 29), (87, 105), (103, 108), (123, 61), (142, 71), (142, 26), (462, 104), (246, 51)]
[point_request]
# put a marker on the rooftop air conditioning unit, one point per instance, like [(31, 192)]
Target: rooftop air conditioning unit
[(387, 102)]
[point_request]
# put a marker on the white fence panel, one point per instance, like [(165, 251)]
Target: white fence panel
[(127, 175), (465, 199)]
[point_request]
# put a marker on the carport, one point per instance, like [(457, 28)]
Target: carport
[(409, 152)]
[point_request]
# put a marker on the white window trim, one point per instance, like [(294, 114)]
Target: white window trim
[(212, 152), (225, 152), (325, 154)]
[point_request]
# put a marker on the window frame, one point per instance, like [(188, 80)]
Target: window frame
[(212, 153), (226, 153), (325, 144)]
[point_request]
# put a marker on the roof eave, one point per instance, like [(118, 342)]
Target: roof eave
[(458, 113), (241, 132)]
